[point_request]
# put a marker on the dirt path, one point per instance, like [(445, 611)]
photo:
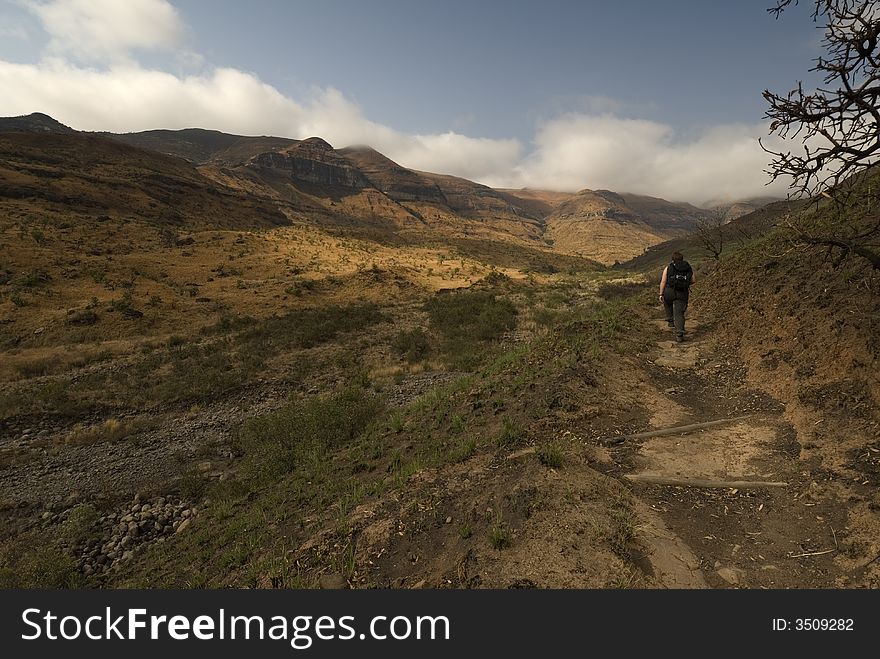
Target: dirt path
[(725, 500)]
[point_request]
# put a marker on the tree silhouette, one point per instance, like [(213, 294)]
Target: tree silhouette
[(839, 127), (838, 124)]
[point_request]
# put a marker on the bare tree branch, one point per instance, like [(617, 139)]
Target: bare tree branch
[(839, 126)]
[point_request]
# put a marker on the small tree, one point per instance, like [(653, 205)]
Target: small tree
[(838, 124), (710, 233)]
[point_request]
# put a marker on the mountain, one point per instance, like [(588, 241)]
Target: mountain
[(730, 210), (33, 123), (359, 188), (608, 227), (399, 183), (539, 202), (74, 175), (201, 146)]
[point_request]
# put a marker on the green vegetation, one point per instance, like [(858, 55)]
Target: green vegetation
[(305, 432), (551, 455), (233, 352), (499, 536), (320, 456), (511, 434), (413, 345), (468, 321), (32, 562)]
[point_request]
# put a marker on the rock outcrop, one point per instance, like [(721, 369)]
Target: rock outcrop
[(399, 183), (312, 161)]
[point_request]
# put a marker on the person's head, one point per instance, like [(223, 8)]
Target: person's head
[(677, 256)]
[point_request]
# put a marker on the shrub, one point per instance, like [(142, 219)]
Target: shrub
[(471, 315), (468, 321), (34, 561), (305, 431), (550, 455), (413, 345), (499, 536)]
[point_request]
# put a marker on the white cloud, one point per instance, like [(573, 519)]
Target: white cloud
[(584, 151), (101, 30), (593, 148), (130, 98)]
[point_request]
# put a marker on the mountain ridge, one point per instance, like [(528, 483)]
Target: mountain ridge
[(358, 185)]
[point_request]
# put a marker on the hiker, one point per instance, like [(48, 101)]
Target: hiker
[(675, 283)]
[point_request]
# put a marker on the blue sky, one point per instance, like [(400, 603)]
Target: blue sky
[(654, 97)]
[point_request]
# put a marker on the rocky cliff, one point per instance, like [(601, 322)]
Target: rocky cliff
[(312, 161)]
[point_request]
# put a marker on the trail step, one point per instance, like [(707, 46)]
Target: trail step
[(656, 479), (676, 430)]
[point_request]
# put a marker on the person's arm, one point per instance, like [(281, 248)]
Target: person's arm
[(693, 278), (663, 282)]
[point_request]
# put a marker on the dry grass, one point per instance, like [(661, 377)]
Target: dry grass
[(111, 430)]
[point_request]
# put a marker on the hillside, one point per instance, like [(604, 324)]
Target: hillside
[(201, 146), (813, 340), (360, 189), (610, 227), (539, 202), (399, 183), (730, 210), (317, 368), (33, 123), (734, 235), (67, 175), (803, 322)]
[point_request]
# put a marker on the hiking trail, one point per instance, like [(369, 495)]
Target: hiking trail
[(723, 499)]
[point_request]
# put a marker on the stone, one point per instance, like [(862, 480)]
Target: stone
[(730, 574), (183, 526), (332, 581)]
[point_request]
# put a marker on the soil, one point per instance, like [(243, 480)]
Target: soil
[(802, 534), (804, 519)]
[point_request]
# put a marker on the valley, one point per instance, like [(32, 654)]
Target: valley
[(259, 362)]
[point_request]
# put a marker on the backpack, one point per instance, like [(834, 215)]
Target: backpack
[(679, 279)]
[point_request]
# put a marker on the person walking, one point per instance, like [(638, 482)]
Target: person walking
[(675, 284)]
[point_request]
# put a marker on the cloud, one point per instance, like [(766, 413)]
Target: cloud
[(91, 82), (127, 97), (102, 30), (608, 152), (14, 32)]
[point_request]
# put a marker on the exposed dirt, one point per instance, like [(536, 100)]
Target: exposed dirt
[(800, 535)]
